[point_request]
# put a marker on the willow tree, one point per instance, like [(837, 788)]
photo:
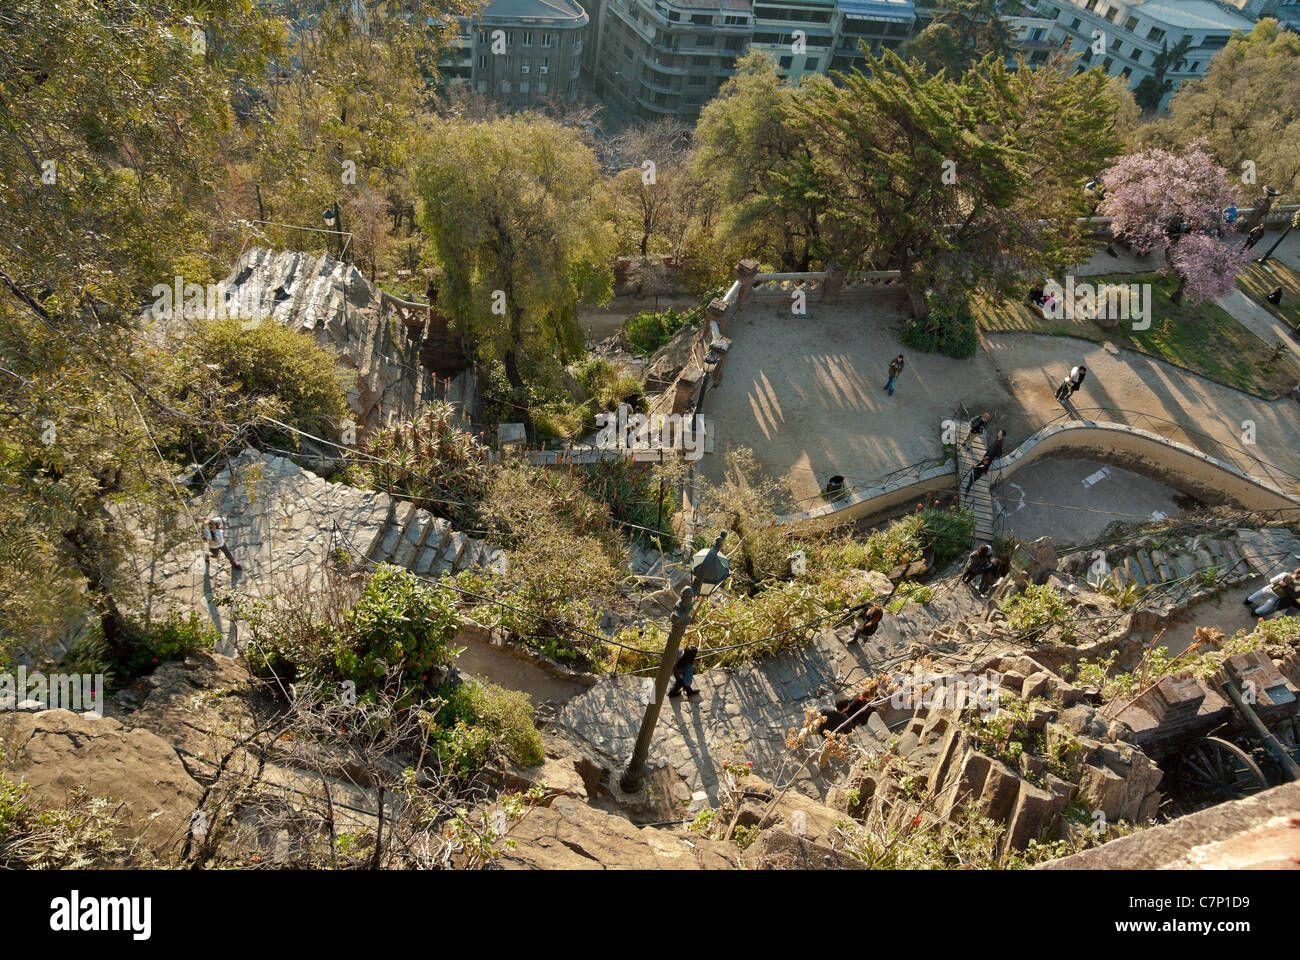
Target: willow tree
[(516, 210)]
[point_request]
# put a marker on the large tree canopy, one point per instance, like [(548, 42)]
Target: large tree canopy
[(516, 211)]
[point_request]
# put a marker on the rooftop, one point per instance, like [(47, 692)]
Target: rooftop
[(559, 10), (1194, 15)]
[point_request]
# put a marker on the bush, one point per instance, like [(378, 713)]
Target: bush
[(949, 329), (1039, 606), (271, 360), (430, 457), (609, 386), (174, 637), (396, 622), (478, 718), (646, 332)]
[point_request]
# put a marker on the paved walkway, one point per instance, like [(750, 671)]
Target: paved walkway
[(755, 704)]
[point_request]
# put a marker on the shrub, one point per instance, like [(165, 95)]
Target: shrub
[(646, 332), (476, 719), (609, 386), (270, 360), (948, 329), (431, 457), (174, 637), (396, 622), (1039, 606)]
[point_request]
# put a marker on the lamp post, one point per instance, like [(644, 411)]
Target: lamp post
[(331, 216), (1293, 225), (708, 570)]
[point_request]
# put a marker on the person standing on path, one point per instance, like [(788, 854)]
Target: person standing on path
[(214, 533), (866, 626), (975, 428), (979, 561), (996, 447), (684, 672), (1070, 385), (1255, 235), (978, 471), (895, 369)]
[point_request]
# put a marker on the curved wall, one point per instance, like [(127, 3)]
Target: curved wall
[(1141, 451)]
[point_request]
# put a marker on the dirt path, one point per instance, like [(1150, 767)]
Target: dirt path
[(494, 665)]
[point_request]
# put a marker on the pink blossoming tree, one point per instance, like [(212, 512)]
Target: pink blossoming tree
[(1174, 202)]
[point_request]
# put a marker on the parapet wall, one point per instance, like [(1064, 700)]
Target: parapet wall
[(1141, 451)]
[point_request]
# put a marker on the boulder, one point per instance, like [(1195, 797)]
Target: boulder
[(779, 849)]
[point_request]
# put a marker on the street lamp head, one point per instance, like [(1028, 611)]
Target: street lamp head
[(710, 568), (331, 215), (711, 360)]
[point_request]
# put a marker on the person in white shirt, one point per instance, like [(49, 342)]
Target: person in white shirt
[(214, 532), (1268, 597)]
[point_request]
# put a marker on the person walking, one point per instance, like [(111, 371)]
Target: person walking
[(978, 471), (868, 623), (1275, 297), (684, 672), (979, 561), (1255, 235), (997, 446), (975, 428), (214, 533), (895, 369), (1071, 384)]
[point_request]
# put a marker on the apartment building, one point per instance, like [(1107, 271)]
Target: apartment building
[(797, 34), (521, 52), (879, 24), (664, 59), (1134, 32)]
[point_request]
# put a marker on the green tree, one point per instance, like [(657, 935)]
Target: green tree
[(1247, 106), (1152, 88), (961, 34), (957, 183), (758, 164), (515, 209)]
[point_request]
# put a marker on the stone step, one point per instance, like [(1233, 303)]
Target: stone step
[(1213, 547), (1184, 564), (1148, 569), (1132, 571), (373, 552), (455, 547), (408, 547), (393, 535)]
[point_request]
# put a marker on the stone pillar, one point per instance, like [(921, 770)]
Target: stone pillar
[(688, 385), (833, 285), (746, 271), (722, 349), (716, 312)]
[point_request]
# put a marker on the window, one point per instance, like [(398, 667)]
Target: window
[(734, 43), (703, 40), (1117, 47), (510, 38), (528, 38), (1074, 24), (546, 39), (701, 19), (785, 62), (510, 62), (505, 86), (541, 88), (1131, 24), (1106, 64), (482, 61), (734, 21), (1113, 16), (524, 68), (700, 61), (810, 64), (1090, 5), (523, 86), (694, 100), (544, 68), (1127, 72), (1155, 34), (697, 81)]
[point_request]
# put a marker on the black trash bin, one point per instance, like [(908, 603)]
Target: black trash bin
[(835, 488)]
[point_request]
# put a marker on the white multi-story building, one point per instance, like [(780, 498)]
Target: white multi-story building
[(1131, 34)]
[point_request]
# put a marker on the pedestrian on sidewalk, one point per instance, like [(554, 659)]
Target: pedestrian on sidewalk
[(684, 672), (975, 428), (997, 446), (978, 471), (1255, 235), (979, 561), (1071, 384), (214, 533), (895, 369)]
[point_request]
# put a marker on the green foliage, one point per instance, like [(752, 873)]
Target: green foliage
[(431, 458), (609, 386), (174, 637), (1037, 609), (949, 328), (268, 359), (476, 718), (646, 332), (396, 631), (633, 492)]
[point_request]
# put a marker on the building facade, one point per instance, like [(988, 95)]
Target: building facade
[(521, 52), (796, 34), (1124, 37)]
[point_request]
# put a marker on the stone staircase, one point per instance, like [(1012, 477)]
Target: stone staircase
[(1184, 569), (427, 546), (980, 499)]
